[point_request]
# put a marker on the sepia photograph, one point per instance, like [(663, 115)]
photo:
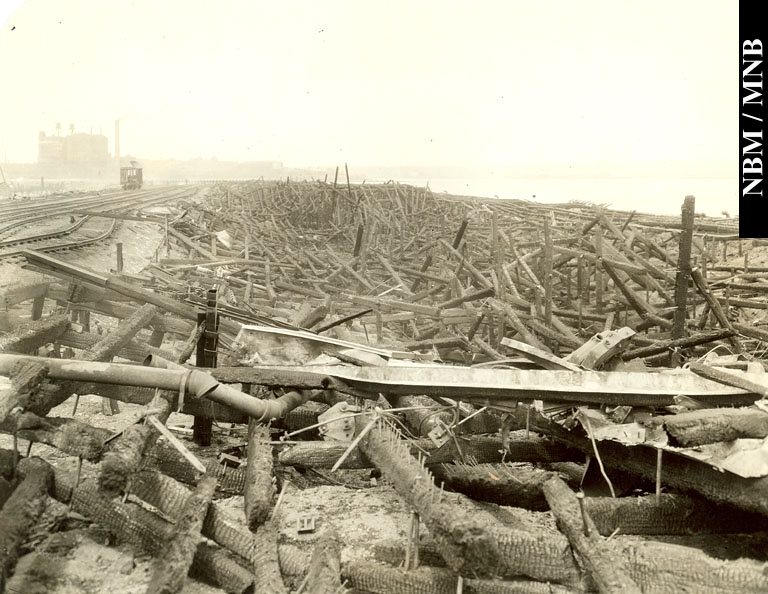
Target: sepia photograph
[(407, 297)]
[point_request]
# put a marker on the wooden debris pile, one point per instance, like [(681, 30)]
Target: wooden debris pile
[(466, 350)]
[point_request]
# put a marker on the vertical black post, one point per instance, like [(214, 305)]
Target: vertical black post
[(683, 273), (206, 356), (119, 257)]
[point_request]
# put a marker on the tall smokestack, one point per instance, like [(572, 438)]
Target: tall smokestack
[(117, 142)]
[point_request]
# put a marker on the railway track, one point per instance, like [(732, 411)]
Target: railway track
[(117, 203), (13, 216)]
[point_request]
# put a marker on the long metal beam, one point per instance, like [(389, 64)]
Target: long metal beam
[(504, 385)]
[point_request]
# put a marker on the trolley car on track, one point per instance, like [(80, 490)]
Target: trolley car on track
[(131, 177)]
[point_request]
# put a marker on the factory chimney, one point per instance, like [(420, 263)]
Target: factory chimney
[(117, 142)]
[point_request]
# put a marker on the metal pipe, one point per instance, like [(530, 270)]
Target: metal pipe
[(159, 373)]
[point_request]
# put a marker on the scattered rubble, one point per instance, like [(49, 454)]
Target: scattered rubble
[(317, 387)]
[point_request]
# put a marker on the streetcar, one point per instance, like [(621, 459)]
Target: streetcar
[(131, 177)]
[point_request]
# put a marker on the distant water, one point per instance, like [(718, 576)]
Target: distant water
[(655, 196)]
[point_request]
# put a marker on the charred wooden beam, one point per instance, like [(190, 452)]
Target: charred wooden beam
[(18, 293), (166, 459), (726, 378), (496, 483), (324, 572), (122, 311), (265, 560), (607, 570), (259, 488), (29, 337), (470, 542), (751, 332), (132, 523), (133, 350), (483, 449), (700, 427), (123, 287), (172, 565), (643, 308), (111, 344), (220, 526), (677, 343), (71, 436), (378, 578), (449, 342), (22, 511), (684, 474), (125, 456), (26, 378), (714, 304), (669, 513)]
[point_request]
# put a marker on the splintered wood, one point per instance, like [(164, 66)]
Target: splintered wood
[(380, 338)]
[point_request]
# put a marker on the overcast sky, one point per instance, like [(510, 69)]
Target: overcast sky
[(321, 82)]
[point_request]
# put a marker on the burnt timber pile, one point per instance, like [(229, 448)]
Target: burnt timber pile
[(559, 398)]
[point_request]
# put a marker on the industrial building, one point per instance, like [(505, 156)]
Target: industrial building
[(82, 149)]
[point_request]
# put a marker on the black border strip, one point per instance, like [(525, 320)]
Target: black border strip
[(752, 49)]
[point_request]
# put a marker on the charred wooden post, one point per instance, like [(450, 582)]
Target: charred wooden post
[(598, 270), (119, 255), (599, 559), (216, 566), (123, 459), (133, 351), (514, 320), (548, 272), (166, 459), (111, 344), (37, 307), (325, 565), (259, 489), (683, 270), (207, 353), (313, 317), (173, 564), (22, 511)]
